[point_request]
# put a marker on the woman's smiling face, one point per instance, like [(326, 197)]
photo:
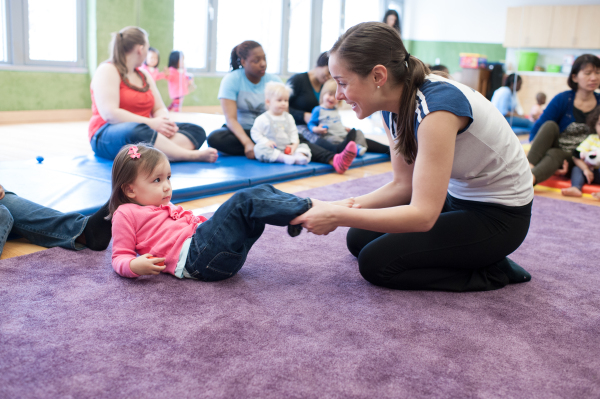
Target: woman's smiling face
[(352, 88)]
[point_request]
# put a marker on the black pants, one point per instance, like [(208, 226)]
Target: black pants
[(464, 251), (225, 141), (373, 145), (545, 152)]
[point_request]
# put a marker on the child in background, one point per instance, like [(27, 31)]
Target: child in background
[(181, 83), (326, 124), (275, 130), (169, 239), (537, 109), (151, 64), (583, 172)]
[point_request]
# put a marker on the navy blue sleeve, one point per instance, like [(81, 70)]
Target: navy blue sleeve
[(441, 96)]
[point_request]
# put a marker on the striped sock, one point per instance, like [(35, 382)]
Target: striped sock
[(343, 160)]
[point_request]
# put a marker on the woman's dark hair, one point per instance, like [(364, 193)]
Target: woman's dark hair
[(510, 80), (368, 44), (122, 43), (581, 62), (174, 59), (323, 59), (397, 23), (592, 119), (241, 52), (155, 51), (126, 169)]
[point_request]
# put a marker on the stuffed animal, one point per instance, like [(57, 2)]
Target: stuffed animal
[(592, 158)]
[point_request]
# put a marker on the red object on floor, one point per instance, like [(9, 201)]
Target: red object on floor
[(561, 182)]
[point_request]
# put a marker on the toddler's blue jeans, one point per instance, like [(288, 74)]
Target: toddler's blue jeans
[(578, 179), (220, 245)]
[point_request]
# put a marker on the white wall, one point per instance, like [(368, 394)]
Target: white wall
[(479, 21)]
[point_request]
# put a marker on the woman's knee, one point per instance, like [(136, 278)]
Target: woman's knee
[(6, 219), (142, 133), (195, 133), (550, 128)]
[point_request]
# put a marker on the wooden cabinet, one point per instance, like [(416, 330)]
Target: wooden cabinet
[(553, 26), (477, 79), (534, 84), (528, 26), (587, 27), (564, 20)]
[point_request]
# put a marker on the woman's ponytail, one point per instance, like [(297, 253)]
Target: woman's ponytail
[(123, 42), (235, 59), (241, 52)]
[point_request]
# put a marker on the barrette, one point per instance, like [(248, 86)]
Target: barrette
[(133, 152)]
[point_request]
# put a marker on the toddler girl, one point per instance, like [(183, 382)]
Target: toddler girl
[(275, 132), (171, 240), (180, 82), (326, 124), (583, 172), (151, 64)]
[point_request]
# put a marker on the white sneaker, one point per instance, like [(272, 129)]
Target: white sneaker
[(360, 150)]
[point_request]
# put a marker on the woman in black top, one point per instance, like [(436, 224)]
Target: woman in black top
[(305, 97)]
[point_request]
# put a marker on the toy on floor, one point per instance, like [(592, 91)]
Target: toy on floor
[(40, 159), (159, 263)]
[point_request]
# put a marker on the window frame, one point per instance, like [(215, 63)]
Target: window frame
[(17, 41)]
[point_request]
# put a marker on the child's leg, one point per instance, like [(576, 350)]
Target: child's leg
[(174, 105), (577, 181), (302, 155), (220, 245), (377, 147)]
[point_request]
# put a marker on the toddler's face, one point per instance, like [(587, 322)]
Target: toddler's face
[(598, 126), (279, 104), (329, 100), (152, 59), (153, 189)]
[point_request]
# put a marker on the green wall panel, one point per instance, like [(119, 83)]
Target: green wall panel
[(448, 52), (24, 91)]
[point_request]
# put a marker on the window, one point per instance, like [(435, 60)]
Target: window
[(43, 33), (357, 11), (330, 28), (240, 20), (3, 49), (299, 41), (190, 35)]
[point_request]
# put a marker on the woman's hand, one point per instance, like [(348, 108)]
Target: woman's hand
[(563, 170), (348, 203), (163, 125), (589, 175), (143, 266), (319, 130), (249, 150), (320, 219)]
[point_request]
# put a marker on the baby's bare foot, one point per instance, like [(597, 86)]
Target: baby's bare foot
[(571, 192), (596, 195), (208, 155)]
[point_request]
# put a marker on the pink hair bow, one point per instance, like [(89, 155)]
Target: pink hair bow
[(133, 152)]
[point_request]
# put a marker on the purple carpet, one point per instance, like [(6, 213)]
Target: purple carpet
[(298, 321)]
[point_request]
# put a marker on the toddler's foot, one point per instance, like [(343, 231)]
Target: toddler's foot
[(301, 159), (294, 230), (286, 159), (208, 155), (343, 160), (98, 231), (571, 192), (596, 195), (360, 150)]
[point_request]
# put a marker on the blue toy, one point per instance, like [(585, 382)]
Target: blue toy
[(39, 159)]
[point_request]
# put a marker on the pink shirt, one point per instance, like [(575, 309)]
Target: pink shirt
[(154, 72), (178, 83), (157, 230)]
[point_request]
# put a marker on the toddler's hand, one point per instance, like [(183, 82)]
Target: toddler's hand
[(143, 266), (589, 176), (348, 129), (1, 192), (348, 203), (320, 130), (271, 144)]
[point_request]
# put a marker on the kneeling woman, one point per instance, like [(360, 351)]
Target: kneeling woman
[(127, 107), (461, 195)]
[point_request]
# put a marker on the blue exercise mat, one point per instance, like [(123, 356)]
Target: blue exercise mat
[(83, 184)]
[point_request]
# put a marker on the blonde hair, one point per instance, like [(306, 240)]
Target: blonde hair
[(274, 89), (122, 43), (329, 87)]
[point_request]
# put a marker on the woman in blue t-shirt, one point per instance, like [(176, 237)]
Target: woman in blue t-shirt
[(459, 202), (242, 96)]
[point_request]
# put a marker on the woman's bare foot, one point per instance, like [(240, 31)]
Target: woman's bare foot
[(563, 170), (596, 195), (571, 192), (208, 155)]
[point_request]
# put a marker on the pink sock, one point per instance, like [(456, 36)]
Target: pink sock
[(343, 160)]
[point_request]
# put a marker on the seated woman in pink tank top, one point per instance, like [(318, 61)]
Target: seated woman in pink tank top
[(127, 107)]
